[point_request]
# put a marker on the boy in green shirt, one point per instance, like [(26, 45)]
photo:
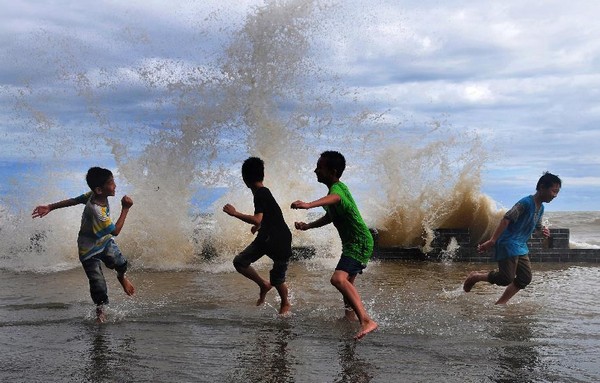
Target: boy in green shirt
[(357, 241)]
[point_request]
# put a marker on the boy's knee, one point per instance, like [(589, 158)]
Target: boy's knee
[(500, 279), (523, 281), (121, 269), (337, 279), (238, 264)]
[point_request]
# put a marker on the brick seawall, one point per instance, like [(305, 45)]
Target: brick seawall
[(553, 249)]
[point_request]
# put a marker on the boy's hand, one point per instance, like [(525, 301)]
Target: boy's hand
[(126, 202), (40, 211), (485, 246), (299, 205), (546, 232), (254, 228), (229, 209), (301, 226)]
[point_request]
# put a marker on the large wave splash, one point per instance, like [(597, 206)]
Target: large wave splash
[(261, 93), (432, 184)]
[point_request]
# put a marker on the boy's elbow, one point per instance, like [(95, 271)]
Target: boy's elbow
[(257, 219)]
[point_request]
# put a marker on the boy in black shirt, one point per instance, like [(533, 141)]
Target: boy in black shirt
[(274, 237)]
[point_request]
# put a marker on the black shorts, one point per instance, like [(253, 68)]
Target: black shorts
[(350, 265), (279, 249)]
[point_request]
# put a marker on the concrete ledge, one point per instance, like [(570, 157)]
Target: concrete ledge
[(553, 249)]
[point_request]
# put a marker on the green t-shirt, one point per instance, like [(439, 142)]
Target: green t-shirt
[(357, 241)]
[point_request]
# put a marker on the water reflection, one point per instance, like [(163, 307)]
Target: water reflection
[(269, 360), (354, 369), (107, 358), (518, 356)]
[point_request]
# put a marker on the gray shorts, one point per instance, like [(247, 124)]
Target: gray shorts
[(513, 269), (113, 259)]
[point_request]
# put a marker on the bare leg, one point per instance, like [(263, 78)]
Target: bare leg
[(340, 279), (474, 277), (127, 285), (285, 306), (510, 292), (262, 283), (349, 313)]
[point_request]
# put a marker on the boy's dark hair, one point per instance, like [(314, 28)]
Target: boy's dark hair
[(97, 177), (547, 180), (253, 170), (335, 160)]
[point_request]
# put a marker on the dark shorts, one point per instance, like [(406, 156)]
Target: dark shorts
[(513, 269), (350, 265), (279, 250)]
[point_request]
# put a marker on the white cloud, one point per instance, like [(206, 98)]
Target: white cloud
[(509, 70), (581, 181), (478, 93)]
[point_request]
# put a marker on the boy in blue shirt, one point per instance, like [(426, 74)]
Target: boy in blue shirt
[(510, 240), (95, 240), (274, 238)]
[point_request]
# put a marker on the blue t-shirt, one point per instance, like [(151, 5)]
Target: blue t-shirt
[(524, 219)]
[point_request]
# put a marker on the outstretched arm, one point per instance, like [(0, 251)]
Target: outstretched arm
[(324, 220), (253, 220), (126, 203), (483, 247), (330, 199), (42, 210)]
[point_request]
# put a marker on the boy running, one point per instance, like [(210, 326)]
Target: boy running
[(274, 237), (510, 240), (357, 241), (95, 239)]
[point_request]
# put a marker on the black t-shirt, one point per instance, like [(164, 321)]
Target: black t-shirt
[(272, 221)]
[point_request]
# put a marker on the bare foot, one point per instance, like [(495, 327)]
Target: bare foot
[(365, 328), (100, 315), (263, 293), (127, 286), (284, 309), (470, 281)]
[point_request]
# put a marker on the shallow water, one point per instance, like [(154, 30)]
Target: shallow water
[(202, 326)]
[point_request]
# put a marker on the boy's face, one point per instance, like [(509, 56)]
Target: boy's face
[(324, 174), (108, 189), (548, 194)]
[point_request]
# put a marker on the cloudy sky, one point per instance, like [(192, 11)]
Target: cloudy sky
[(518, 80)]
